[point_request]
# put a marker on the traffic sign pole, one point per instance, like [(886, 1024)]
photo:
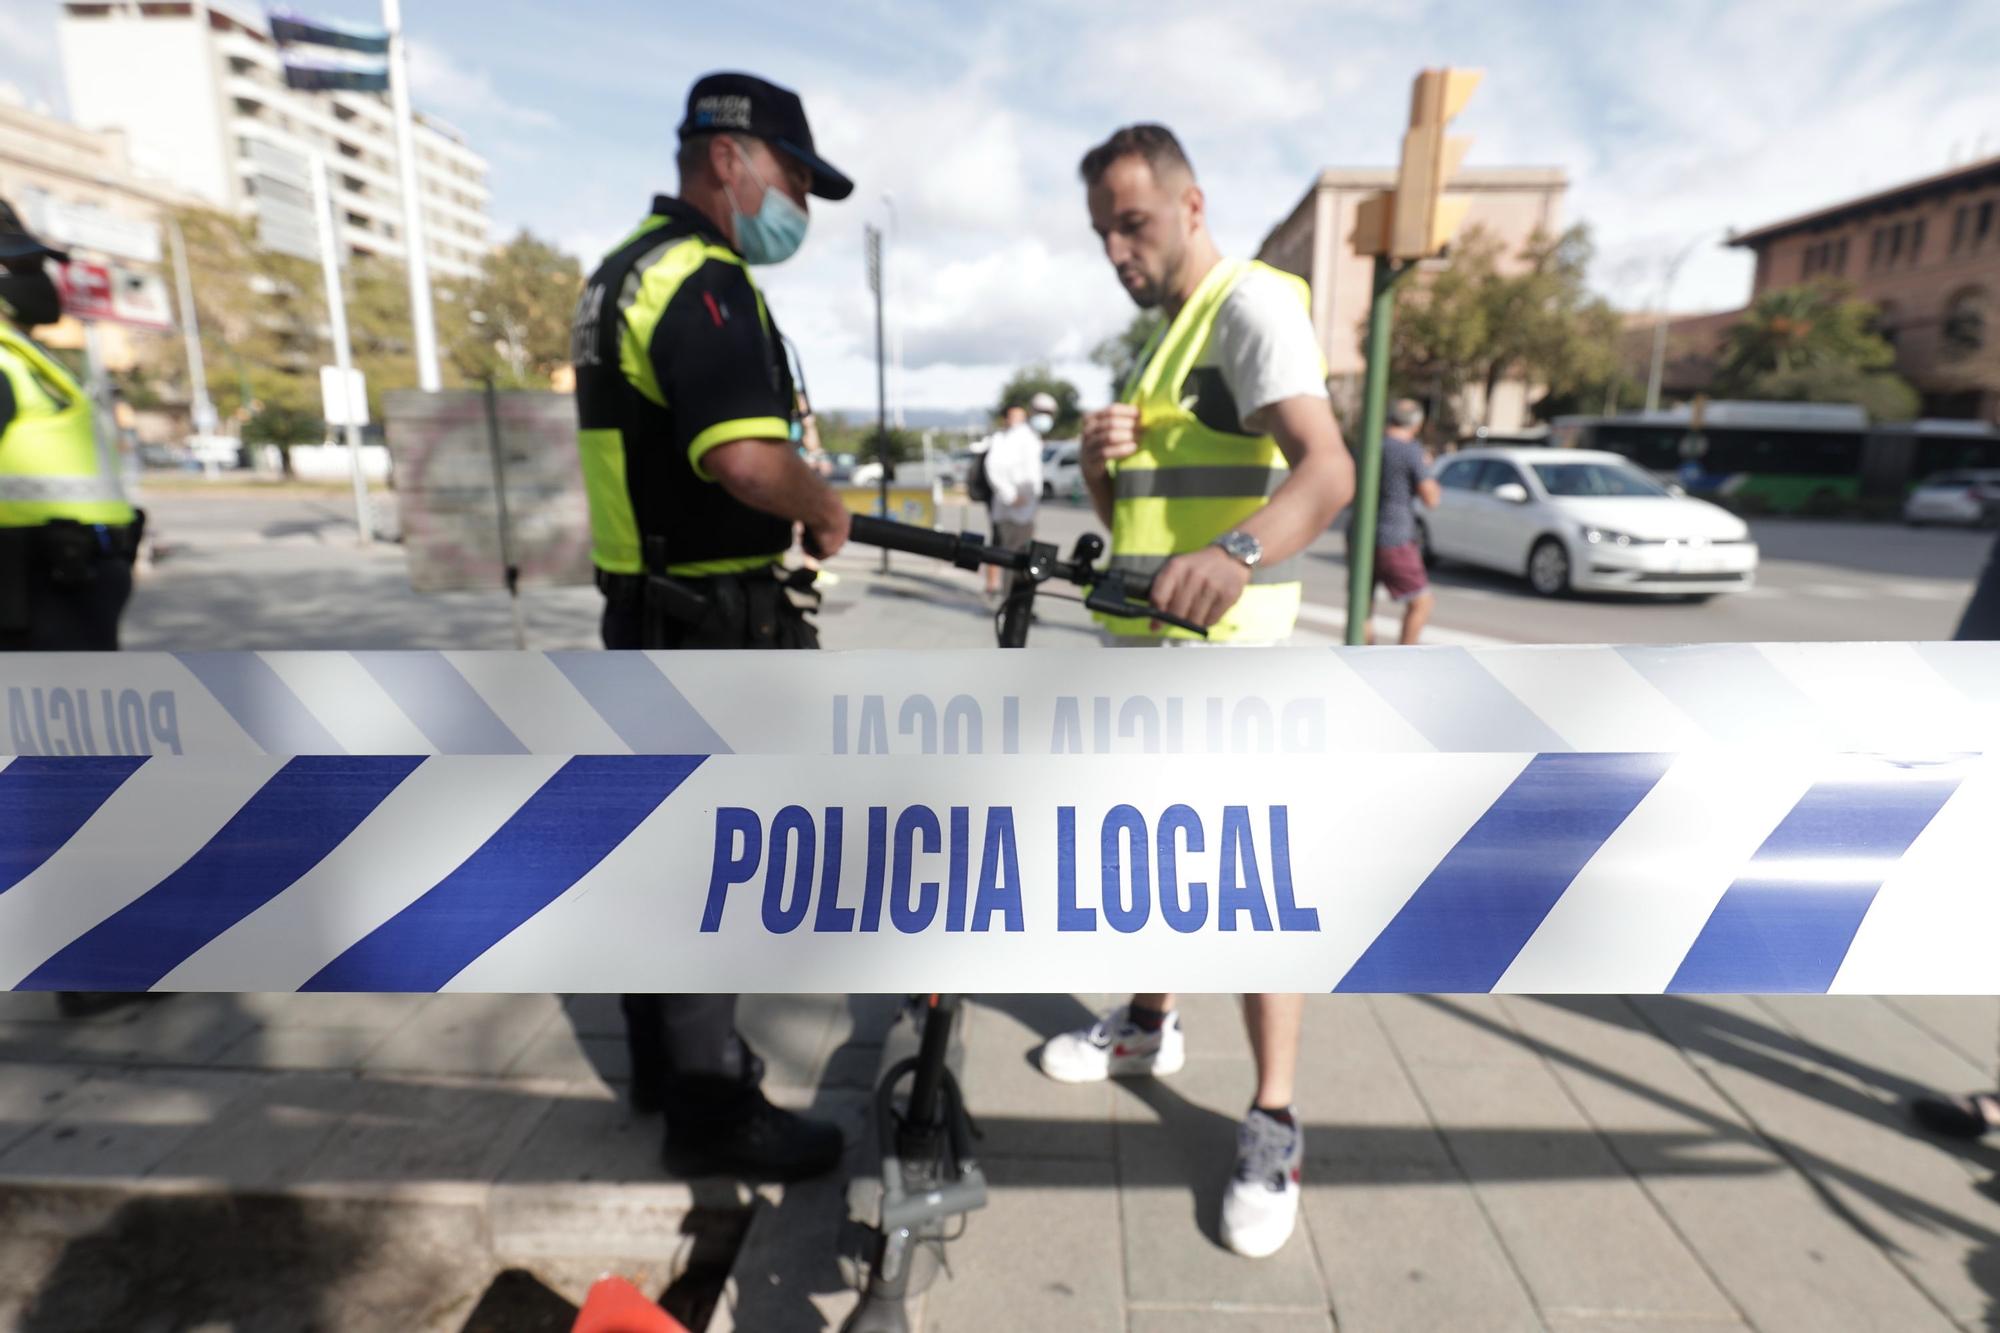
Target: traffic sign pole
[(1368, 472)]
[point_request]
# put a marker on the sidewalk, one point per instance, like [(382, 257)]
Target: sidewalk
[(1585, 1165)]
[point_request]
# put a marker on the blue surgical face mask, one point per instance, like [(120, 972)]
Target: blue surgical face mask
[(775, 231), (1042, 422)]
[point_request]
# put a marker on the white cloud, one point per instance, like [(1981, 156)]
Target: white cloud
[(438, 82)]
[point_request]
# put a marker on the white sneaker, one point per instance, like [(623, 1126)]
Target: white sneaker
[(1261, 1204), (1115, 1047)]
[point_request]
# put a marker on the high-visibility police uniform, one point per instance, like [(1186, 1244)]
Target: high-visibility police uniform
[(68, 535), (1197, 473), (676, 353)]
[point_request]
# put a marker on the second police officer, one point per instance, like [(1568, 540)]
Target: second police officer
[(687, 411)]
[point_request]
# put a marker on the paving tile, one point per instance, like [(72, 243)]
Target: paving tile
[(1969, 1024), (123, 1123), (1561, 1322), (1875, 1046), (1912, 1198), (1171, 1172), (332, 1009), (1227, 1321), (1449, 1030), (32, 1095), (410, 1130), (790, 1033), (1022, 1111), (264, 1139), (1407, 1247), (162, 1030), (302, 1049), (559, 1053), (787, 1276), (465, 1034), (1581, 1231), (588, 1138), (1789, 1262), (1063, 1267)]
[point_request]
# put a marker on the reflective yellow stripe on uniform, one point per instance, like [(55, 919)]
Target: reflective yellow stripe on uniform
[(1190, 483), (51, 465)]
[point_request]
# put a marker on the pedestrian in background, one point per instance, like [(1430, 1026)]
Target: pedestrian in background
[(1399, 556), (1014, 475)]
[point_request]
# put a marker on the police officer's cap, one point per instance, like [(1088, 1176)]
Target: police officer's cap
[(18, 243), (746, 104)]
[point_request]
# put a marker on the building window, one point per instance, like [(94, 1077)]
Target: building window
[(1982, 222), (1840, 256), (1877, 243), (1958, 228), (1916, 240), (1965, 321)]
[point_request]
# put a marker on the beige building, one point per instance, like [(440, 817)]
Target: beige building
[(1928, 253), (1510, 203), (78, 188)]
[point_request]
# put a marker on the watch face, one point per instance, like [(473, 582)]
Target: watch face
[(1243, 547)]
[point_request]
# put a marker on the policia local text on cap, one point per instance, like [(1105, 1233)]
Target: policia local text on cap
[(688, 413)]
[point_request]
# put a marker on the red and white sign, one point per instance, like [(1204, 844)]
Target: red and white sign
[(114, 292)]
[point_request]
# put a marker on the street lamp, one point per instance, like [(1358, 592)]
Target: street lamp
[(1660, 325)]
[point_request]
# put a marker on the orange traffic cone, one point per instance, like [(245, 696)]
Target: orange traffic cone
[(616, 1306)]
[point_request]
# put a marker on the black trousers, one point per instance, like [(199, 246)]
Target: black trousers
[(687, 1056), (73, 617)]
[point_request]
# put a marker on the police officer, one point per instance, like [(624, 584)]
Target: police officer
[(688, 413), (67, 534)]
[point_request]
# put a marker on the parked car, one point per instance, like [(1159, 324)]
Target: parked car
[(1571, 520), (1062, 473), (1970, 496)]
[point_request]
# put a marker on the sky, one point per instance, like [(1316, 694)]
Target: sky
[(962, 123)]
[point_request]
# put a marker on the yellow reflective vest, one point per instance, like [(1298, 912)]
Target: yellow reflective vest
[(1196, 474), (51, 466)]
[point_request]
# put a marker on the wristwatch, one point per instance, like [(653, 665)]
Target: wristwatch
[(1242, 547)]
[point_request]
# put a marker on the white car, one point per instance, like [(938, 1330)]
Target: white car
[(1062, 474), (1574, 520), (1971, 496)]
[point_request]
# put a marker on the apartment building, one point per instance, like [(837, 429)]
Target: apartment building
[(197, 89)]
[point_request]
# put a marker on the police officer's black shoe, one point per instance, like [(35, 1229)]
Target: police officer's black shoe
[(759, 1142)]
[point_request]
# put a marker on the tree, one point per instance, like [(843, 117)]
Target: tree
[(511, 324), (1119, 354), (1038, 378), (1472, 324), (1814, 343)]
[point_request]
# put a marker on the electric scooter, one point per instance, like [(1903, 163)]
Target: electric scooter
[(930, 1172)]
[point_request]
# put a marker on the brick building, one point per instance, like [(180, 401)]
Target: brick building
[(1511, 203), (1928, 253)]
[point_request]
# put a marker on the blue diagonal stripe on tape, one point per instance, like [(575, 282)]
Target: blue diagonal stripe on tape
[(261, 703), (1457, 704), (308, 808), (1463, 927), (43, 802), (1787, 924), (574, 821), (641, 704), (1731, 690), (442, 703)]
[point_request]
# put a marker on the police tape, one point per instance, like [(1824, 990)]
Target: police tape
[(1716, 836), (1874, 697)]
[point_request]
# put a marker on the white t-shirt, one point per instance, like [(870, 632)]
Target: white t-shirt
[(1264, 345), (1014, 471)]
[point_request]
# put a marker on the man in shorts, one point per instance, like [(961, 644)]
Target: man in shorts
[(1399, 556)]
